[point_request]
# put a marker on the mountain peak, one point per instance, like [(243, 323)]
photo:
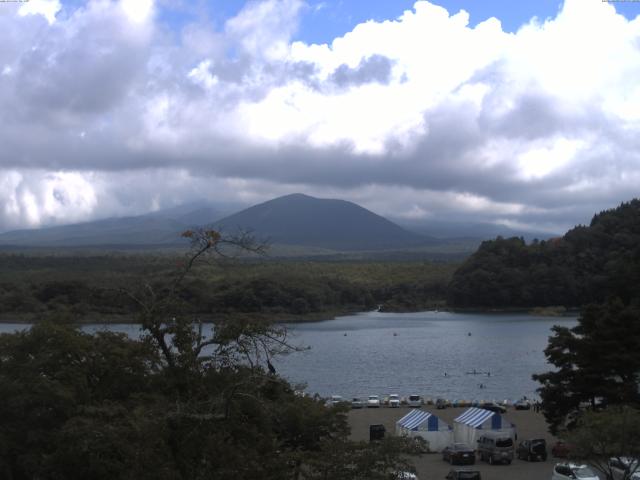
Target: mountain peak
[(299, 219)]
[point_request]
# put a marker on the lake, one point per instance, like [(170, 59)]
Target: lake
[(409, 353)]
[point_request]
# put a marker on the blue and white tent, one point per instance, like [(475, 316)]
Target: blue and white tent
[(475, 421), (419, 423)]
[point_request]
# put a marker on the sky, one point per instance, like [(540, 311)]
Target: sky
[(523, 114)]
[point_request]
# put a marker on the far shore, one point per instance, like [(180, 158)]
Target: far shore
[(96, 318)]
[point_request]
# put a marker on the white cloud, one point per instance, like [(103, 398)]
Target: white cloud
[(46, 8), (137, 11), (425, 111)]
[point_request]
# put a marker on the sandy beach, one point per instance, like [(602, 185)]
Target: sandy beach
[(431, 466)]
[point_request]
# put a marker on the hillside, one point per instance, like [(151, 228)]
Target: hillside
[(332, 224), (160, 228), (587, 264)]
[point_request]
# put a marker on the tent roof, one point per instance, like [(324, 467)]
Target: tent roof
[(475, 417), (413, 419)]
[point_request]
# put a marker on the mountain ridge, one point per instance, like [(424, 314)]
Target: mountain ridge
[(299, 219)]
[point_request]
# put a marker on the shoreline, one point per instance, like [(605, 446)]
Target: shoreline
[(285, 318)]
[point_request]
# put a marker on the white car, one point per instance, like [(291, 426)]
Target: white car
[(404, 476), (621, 466), (394, 400), (572, 471), (414, 401), (373, 401), (335, 400)]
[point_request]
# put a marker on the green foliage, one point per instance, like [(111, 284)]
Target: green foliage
[(90, 288), (612, 433), (597, 363), (78, 406), (588, 264)]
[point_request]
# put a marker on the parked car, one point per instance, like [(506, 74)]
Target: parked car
[(494, 407), (335, 400), (357, 402), (624, 467), (560, 449), (394, 400), (373, 401), (404, 476), (463, 475), (495, 447), (532, 449), (571, 471), (459, 453), (522, 405), (414, 401), (441, 403)]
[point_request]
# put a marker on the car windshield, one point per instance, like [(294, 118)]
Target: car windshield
[(460, 446), (469, 475), (413, 398), (583, 472), (393, 397), (504, 442), (538, 445), (373, 397)]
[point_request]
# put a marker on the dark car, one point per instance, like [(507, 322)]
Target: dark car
[(441, 403), (560, 449), (494, 407), (463, 475), (522, 405), (532, 449), (459, 453)]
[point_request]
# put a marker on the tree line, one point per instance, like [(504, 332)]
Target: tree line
[(588, 264), (91, 288)]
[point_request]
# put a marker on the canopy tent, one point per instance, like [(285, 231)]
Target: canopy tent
[(474, 421), (419, 423)]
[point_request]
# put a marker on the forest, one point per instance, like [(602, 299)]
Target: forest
[(588, 264), (94, 288)]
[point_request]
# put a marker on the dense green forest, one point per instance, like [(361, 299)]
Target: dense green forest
[(94, 288), (588, 264)]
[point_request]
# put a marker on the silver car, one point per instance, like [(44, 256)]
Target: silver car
[(572, 471)]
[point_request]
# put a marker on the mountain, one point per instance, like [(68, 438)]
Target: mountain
[(302, 220), (161, 228)]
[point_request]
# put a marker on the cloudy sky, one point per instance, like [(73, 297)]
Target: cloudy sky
[(522, 116)]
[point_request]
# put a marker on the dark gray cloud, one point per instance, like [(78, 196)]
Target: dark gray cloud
[(376, 68)]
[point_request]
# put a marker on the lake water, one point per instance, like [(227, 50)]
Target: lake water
[(370, 359), (411, 352)]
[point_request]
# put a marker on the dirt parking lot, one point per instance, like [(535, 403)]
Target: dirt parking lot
[(431, 466)]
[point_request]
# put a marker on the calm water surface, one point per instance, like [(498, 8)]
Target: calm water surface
[(411, 352)]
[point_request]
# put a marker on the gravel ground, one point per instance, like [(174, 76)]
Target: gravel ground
[(431, 466)]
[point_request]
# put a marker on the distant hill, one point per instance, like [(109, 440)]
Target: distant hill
[(160, 228), (302, 220), (468, 230), (588, 264)]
